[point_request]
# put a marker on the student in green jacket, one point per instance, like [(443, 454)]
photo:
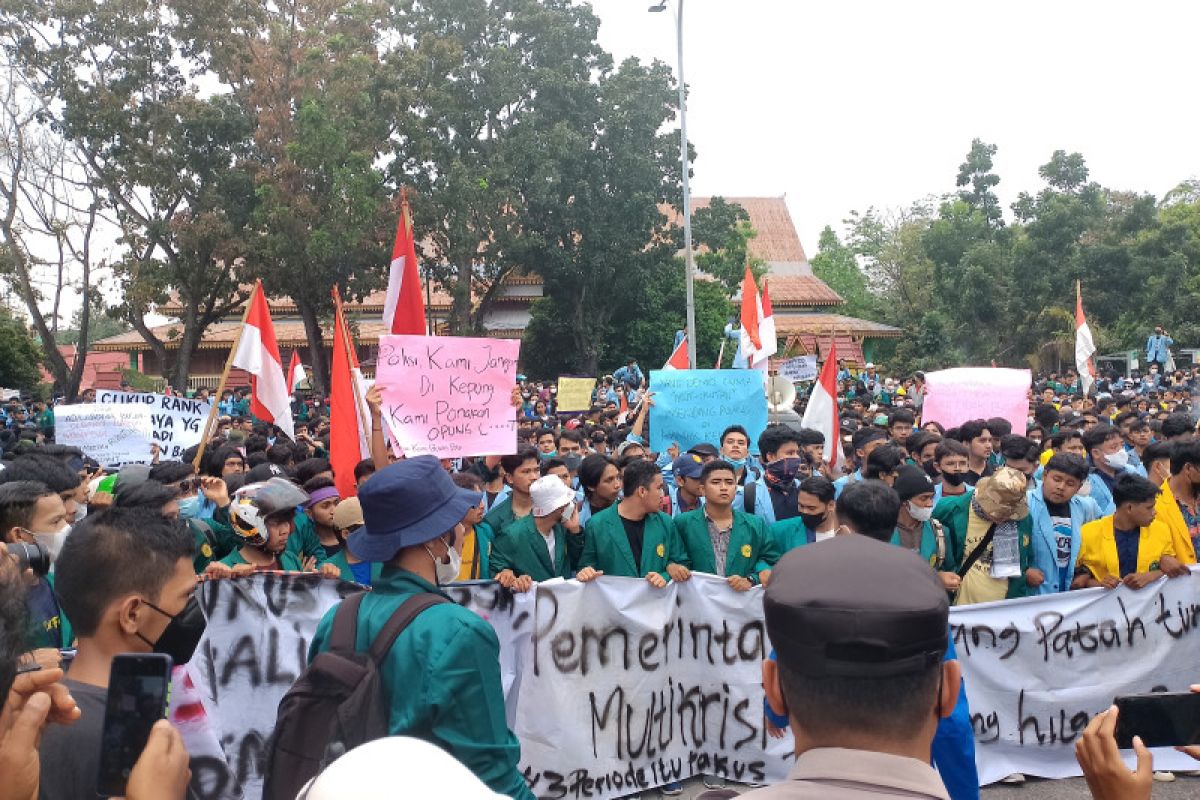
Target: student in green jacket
[(323, 499), (632, 538), (442, 674), (916, 530), (817, 520), (263, 515), (544, 545), (721, 541), (520, 471)]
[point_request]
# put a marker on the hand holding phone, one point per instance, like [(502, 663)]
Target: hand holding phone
[(1161, 719), (139, 689)]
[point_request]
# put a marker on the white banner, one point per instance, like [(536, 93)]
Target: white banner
[(1038, 669), (120, 427), (647, 686), (614, 687), (800, 368)]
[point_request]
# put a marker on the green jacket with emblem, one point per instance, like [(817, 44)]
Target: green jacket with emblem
[(442, 679), (751, 548), (606, 547)]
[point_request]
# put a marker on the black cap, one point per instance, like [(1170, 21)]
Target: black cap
[(912, 481), (704, 449), (891, 619)]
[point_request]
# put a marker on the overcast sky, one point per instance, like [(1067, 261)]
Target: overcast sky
[(843, 105)]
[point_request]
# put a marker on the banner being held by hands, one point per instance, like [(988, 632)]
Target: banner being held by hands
[(124, 427), (449, 396)]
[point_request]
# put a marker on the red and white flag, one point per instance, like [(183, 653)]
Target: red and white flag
[(404, 309), (1084, 346), (679, 358), (766, 329), (258, 353), (751, 342), (822, 411), (296, 373), (349, 418)]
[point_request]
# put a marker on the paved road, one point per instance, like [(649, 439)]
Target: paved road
[(1071, 789)]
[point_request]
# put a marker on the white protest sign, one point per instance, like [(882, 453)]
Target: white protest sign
[(449, 396), (800, 368), (120, 427), (1037, 669), (954, 396)]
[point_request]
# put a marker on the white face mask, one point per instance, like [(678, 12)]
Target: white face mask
[(53, 542), (1117, 460), (920, 513), (447, 571)]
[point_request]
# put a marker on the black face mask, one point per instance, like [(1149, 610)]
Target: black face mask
[(954, 478), (930, 469), (812, 521), (179, 639)]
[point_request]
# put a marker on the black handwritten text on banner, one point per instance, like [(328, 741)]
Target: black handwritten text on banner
[(449, 396)]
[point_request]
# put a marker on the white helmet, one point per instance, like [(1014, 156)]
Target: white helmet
[(254, 503)]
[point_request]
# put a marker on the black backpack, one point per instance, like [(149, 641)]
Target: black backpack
[(338, 703)]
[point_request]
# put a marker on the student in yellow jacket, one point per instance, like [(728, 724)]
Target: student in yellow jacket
[(632, 538), (1129, 546), (721, 541), (1179, 504)]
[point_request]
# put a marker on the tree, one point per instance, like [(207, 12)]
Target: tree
[(498, 91), (836, 264), (308, 78), (1065, 172), (48, 222), (597, 230), (19, 355), (721, 232), (976, 173), (119, 86)]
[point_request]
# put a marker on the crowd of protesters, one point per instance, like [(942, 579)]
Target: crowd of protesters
[(1095, 489)]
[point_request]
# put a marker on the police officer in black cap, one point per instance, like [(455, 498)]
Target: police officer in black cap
[(860, 670)]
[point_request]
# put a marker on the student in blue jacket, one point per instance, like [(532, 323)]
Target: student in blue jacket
[(1106, 451), (1057, 512)]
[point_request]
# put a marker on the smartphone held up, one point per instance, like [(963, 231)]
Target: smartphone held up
[(1161, 719), (139, 690)]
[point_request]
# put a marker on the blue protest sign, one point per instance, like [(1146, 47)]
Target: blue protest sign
[(695, 405)]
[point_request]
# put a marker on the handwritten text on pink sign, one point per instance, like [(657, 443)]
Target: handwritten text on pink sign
[(449, 396)]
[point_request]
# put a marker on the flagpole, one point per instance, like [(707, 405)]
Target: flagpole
[(212, 412), (358, 400)]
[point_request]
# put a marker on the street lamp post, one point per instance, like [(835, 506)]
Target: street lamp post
[(687, 195)]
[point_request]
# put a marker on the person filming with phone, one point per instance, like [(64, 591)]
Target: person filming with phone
[(126, 581)]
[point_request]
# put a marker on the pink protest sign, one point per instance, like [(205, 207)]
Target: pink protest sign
[(954, 396), (449, 396)]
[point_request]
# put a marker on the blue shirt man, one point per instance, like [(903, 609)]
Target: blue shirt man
[(630, 375), (1157, 347)]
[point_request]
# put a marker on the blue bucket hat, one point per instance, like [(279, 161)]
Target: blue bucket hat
[(408, 503)]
